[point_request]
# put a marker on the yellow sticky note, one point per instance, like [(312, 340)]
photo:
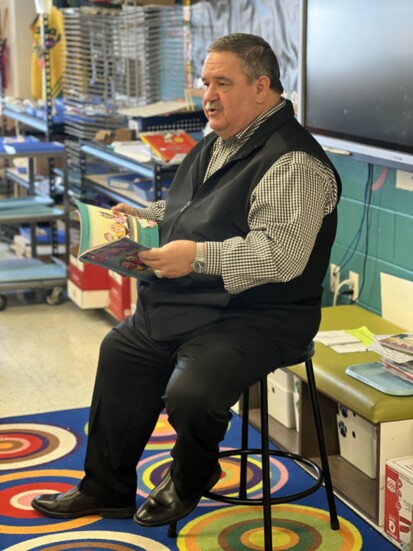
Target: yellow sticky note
[(363, 334)]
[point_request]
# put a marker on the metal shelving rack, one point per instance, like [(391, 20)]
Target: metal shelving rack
[(32, 273), (155, 172)]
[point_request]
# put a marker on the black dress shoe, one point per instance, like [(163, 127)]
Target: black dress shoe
[(74, 504), (164, 505)]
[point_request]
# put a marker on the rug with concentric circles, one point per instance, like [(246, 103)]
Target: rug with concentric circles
[(44, 453)]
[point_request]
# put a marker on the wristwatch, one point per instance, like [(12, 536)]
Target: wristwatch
[(199, 263)]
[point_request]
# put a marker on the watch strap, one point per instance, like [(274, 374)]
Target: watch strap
[(200, 252)]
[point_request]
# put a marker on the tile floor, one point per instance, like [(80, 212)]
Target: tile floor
[(48, 354)]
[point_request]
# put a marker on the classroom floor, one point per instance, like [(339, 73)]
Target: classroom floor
[(48, 354)]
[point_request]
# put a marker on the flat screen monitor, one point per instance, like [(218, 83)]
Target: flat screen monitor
[(356, 78)]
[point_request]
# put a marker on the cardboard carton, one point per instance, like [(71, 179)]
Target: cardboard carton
[(119, 296), (398, 501)]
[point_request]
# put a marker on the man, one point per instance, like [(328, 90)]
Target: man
[(246, 234)]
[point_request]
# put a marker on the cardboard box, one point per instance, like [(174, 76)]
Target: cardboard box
[(398, 501), (358, 443), (133, 294), (125, 135), (87, 299), (87, 277), (119, 296), (280, 402), (104, 136)]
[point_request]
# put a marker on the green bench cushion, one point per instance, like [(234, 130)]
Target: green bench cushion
[(330, 366)]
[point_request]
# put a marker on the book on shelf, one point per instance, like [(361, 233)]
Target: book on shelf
[(170, 145), (403, 342), (113, 240)]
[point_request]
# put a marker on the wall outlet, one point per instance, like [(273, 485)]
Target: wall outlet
[(334, 277), (354, 285)]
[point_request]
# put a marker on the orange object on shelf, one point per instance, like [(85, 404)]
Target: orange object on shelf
[(170, 145)]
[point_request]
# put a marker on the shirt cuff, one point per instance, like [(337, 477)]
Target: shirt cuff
[(213, 254)]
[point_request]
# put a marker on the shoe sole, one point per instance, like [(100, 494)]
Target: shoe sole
[(119, 513), (184, 514)]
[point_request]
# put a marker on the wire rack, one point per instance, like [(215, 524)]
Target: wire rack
[(125, 56)]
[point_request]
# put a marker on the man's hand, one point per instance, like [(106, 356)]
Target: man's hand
[(126, 209), (172, 260)]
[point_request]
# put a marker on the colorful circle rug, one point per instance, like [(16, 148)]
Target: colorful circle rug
[(294, 528), (30, 444), (44, 453), (153, 468), (89, 541)]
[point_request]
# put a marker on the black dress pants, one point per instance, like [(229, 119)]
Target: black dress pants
[(197, 378)]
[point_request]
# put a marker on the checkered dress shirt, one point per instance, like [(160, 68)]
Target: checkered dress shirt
[(287, 208)]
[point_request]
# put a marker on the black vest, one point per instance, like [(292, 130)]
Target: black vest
[(216, 210)]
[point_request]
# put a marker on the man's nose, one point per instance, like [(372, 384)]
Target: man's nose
[(210, 94)]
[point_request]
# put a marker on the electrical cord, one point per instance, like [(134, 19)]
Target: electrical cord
[(337, 290), (352, 247), (366, 241)]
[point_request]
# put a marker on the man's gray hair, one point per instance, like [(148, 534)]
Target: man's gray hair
[(256, 55)]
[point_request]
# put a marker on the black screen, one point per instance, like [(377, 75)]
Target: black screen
[(358, 71)]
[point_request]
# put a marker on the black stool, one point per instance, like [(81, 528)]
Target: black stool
[(320, 475)]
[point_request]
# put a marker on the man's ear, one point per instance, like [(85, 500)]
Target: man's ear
[(262, 87)]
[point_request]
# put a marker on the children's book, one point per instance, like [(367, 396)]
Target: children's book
[(402, 342), (170, 145), (113, 240)]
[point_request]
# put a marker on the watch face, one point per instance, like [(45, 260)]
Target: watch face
[(199, 266)]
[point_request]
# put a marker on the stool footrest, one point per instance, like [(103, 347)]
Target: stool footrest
[(316, 471)]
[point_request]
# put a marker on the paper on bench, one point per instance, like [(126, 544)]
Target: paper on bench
[(331, 338), (350, 348), (346, 340)]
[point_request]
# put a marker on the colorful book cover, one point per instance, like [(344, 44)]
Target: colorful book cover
[(402, 342), (171, 146), (113, 240)]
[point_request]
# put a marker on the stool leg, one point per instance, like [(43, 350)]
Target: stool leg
[(334, 523), (244, 443), (172, 530), (265, 453)]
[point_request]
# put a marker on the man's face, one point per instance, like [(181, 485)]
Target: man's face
[(230, 102)]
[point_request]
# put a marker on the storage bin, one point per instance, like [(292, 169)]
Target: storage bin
[(358, 444), (284, 378), (280, 401), (352, 418)]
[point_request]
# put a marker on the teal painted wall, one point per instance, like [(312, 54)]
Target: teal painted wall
[(389, 226)]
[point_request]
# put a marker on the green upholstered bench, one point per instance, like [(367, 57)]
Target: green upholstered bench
[(391, 416), (330, 367)]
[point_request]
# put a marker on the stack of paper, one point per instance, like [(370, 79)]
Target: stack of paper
[(396, 354), (346, 341)]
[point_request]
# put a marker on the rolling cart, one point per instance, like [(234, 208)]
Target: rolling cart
[(33, 273)]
